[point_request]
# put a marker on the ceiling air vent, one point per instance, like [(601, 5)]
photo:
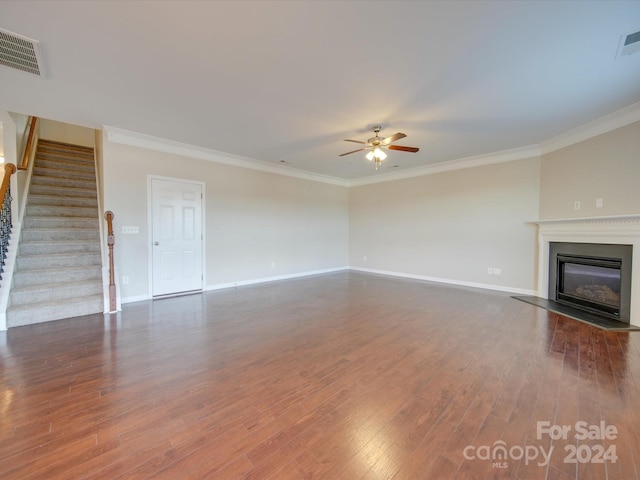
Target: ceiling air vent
[(629, 44), (20, 53)]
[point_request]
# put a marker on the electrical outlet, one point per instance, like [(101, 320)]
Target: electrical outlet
[(497, 271), (576, 205), (130, 229), (490, 270), (364, 258), (599, 203), (273, 264), (125, 280)]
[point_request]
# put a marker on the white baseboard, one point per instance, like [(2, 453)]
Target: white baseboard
[(240, 283), (254, 281), (486, 286), (135, 298)]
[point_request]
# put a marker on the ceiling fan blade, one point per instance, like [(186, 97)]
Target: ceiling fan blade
[(356, 141), (403, 149), (392, 138), (353, 151)]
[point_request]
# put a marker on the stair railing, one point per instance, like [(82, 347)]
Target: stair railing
[(28, 149), (112, 278), (5, 213)]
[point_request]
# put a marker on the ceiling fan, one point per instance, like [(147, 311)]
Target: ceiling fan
[(376, 144)]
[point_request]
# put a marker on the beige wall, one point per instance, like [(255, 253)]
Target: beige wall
[(252, 218), (64, 132), (22, 132), (451, 225), (606, 166), (455, 225)]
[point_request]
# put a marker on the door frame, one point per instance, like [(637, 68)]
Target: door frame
[(202, 184)]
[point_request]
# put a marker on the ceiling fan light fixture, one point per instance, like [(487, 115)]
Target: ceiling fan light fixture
[(376, 146), (379, 154)]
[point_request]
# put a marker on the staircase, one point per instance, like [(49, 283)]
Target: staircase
[(59, 265)]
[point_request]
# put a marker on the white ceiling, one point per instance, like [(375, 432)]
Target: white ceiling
[(289, 81)]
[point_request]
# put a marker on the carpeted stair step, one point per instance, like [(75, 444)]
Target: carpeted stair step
[(63, 182), (60, 152), (44, 147), (51, 248), (51, 163), (61, 211), (87, 174), (64, 162), (59, 160), (60, 222), (66, 148), (61, 171), (53, 292), (62, 191), (36, 262), (25, 278), (59, 265), (54, 200), (54, 310), (56, 235)]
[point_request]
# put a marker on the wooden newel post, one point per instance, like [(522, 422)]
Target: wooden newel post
[(112, 280)]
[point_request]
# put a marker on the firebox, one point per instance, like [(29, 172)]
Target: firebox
[(592, 277)]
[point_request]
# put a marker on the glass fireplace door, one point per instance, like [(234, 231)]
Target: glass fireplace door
[(591, 283)]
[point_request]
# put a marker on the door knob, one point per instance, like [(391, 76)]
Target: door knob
[(156, 243)]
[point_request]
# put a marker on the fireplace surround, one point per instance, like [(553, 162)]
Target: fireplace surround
[(612, 230), (592, 277)]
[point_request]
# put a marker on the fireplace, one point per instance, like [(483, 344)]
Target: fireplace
[(622, 230), (592, 277)]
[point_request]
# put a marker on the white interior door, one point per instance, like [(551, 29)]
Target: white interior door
[(176, 236)]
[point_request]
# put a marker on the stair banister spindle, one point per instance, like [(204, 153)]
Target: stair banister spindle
[(5, 213), (110, 242)]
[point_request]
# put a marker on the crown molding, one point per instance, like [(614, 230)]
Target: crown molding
[(467, 162), (628, 219), (149, 142), (617, 119)]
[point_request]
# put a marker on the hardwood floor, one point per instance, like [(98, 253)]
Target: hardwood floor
[(340, 376)]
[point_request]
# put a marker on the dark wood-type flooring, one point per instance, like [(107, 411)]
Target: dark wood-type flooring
[(339, 376)]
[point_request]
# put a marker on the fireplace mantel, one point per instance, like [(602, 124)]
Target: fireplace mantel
[(618, 229), (591, 220)]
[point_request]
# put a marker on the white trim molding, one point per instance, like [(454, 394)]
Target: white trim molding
[(240, 283), (608, 123), (254, 281), (618, 119), (290, 276), (140, 140), (521, 153), (617, 230), (460, 283)]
